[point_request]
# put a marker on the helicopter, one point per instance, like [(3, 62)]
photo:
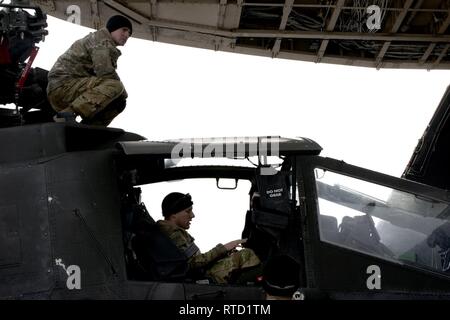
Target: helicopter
[(72, 218)]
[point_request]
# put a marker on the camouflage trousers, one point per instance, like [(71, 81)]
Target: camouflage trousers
[(98, 101), (222, 271)]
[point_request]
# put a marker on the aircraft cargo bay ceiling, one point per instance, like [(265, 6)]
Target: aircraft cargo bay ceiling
[(373, 33)]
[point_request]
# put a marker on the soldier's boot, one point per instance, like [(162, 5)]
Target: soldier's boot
[(96, 100), (65, 115), (222, 271), (107, 115)]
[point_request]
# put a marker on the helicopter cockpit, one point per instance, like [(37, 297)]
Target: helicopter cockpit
[(266, 193)]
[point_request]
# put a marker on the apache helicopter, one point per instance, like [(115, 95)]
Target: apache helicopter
[(71, 218)]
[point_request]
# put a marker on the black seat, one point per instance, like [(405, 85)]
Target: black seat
[(156, 254), (269, 213), (360, 233), (258, 239), (329, 228)]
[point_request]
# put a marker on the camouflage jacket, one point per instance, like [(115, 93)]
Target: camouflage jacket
[(185, 242), (94, 55)]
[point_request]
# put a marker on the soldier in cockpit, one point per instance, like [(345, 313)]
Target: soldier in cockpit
[(223, 264)]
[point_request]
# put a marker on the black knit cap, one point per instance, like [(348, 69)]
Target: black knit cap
[(175, 202), (118, 21)]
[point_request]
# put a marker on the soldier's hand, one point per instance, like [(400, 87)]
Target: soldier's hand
[(233, 244)]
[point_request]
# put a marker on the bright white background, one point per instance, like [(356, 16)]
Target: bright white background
[(363, 116)]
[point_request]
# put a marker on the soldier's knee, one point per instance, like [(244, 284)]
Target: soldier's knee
[(248, 258), (119, 88), (111, 88)]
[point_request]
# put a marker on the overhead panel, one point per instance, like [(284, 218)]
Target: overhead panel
[(371, 33)]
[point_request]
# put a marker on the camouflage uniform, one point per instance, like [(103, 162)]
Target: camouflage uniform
[(84, 79), (218, 263)]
